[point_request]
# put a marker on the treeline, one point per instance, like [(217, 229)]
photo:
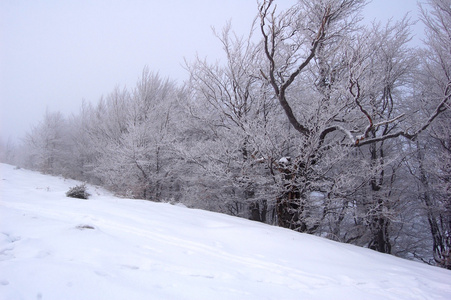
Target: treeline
[(314, 122)]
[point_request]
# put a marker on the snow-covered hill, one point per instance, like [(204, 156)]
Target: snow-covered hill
[(54, 247)]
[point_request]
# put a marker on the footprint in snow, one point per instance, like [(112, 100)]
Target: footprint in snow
[(4, 282)]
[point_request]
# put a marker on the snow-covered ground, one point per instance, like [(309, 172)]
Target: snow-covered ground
[(54, 247)]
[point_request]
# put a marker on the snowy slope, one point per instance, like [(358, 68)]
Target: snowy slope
[(54, 247)]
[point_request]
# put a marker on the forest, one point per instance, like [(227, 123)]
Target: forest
[(313, 122)]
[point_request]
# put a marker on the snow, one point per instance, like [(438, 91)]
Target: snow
[(54, 247), (284, 161)]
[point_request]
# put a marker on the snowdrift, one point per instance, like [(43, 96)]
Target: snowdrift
[(54, 247)]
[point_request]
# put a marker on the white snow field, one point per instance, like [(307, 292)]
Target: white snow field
[(55, 247)]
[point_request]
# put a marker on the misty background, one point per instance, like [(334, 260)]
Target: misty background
[(55, 54)]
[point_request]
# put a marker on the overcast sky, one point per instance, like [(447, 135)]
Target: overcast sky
[(55, 53)]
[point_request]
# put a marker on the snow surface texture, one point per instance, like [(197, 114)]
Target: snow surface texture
[(55, 247)]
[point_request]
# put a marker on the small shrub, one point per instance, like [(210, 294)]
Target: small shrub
[(78, 191), (83, 227)]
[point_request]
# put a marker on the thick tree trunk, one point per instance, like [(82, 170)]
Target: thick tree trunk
[(379, 224), (258, 212), (380, 240), (289, 210)]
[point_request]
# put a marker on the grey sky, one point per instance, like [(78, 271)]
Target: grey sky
[(54, 53)]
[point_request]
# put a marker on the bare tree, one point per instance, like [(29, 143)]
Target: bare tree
[(434, 168), (357, 78), (131, 133), (303, 52), (230, 103), (47, 145), (8, 151)]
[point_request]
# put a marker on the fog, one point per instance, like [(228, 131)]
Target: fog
[(55, 54)]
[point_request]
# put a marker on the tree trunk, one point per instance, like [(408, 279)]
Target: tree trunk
[(440, 247), (379, 224)]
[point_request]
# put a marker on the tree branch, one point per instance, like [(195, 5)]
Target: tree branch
[(269, 47), (440, 108)]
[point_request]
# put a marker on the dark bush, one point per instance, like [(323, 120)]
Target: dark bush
[(78, 191)]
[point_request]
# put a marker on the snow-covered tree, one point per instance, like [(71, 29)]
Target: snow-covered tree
[(82, 153), (380, 74), (304, 66), (47, 145), (229, 103), (132, 135), (343, 89), (8, 151), (432, 167)]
